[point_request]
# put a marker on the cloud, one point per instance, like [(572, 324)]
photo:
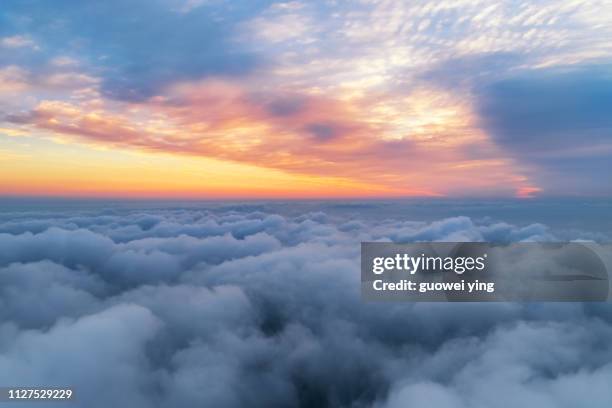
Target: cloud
[(12, 79), (303, 134), (18, 41), (140, 48), (234, 305), (89, 353), (37, 294), (511, 360), (555, 121), (323, 131)]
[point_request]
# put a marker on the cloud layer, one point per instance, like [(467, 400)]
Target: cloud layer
[(233, 306)]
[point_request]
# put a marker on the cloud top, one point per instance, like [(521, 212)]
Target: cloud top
[(227, 306)]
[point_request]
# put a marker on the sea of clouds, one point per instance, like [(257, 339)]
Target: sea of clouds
[(240, 307)]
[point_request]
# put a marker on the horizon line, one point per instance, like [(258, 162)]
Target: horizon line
[(11, 197)]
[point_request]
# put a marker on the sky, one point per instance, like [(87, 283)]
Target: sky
[(311, 99)]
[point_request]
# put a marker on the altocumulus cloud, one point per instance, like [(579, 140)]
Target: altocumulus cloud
[(134, 56), (233, 307)]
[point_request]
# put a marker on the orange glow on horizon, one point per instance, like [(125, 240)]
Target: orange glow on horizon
[(86, 172)]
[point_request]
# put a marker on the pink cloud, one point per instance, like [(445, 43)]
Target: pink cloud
[(296, 132)]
